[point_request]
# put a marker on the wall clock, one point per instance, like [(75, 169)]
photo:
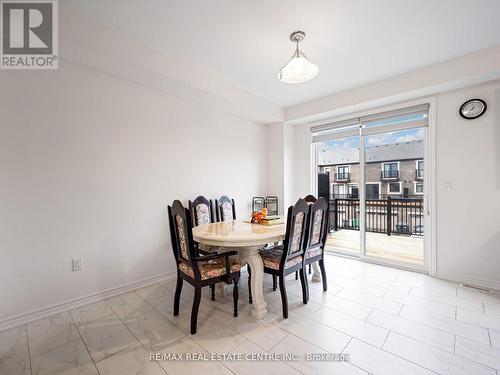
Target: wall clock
[(472, 109)]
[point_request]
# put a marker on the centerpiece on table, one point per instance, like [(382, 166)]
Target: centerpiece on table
[(260, 217)]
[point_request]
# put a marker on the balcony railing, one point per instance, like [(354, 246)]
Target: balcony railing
[(342, 176), (390, 174), (419, 174), (403, 216)]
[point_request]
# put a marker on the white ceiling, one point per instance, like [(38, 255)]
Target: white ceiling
[(353, 42)]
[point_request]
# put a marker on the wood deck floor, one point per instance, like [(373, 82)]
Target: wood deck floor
[(399, 248)]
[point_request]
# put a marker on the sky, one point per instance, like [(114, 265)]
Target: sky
[(376, 140), (383, 138)]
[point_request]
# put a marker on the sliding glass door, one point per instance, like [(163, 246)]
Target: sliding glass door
[(394, 217), (377, 177), (340, 159)]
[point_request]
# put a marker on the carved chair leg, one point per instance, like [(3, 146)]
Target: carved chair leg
[(196, 306), (235, 298), (296, 275), (323, 274), (275, 282), (310, 269), (305, 287), (212, 288), (284, 297), (177, 296)]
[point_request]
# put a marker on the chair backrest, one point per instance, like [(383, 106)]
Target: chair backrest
[(180, 232), (310, 199), (317, 228), (201, 211), (258, 203), (225, 209), (296, 227), (272, 205)]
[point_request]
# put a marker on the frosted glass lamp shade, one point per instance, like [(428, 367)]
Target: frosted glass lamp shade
[(298, 69)]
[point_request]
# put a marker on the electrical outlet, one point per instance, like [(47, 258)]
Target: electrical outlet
[(77, 264)]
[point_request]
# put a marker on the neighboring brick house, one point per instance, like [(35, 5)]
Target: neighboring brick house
[(395, 169)]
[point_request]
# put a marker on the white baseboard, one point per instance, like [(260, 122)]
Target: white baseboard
[(489, 284), (30, 316)]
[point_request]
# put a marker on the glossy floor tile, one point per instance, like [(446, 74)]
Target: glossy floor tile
[(51, 332), (433, 358), (388, 321), (69, 359), (13, 339), (107, 336), (89, 313), (131, 361), (15, 362)]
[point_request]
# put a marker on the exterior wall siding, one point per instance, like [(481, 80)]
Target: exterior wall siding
[(407, 177)]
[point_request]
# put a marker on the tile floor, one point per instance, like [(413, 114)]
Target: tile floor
[(390, 322)]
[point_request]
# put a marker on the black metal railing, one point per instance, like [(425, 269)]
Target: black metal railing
[(342, 176), (389, 174), (389, 215)]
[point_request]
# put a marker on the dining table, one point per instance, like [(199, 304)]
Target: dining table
[(247, 239)]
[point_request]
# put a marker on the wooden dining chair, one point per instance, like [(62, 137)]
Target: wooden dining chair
[(285, 259), (317, 232), (199, 271), (225, 209), (201, 212), (309, 199)]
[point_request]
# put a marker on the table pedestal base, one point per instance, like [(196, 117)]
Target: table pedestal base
[(251, 257), (316, 278)]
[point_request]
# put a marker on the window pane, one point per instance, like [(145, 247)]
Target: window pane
[(402, 119), (394, 187)]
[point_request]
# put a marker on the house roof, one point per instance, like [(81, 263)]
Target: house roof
[(393, 151)]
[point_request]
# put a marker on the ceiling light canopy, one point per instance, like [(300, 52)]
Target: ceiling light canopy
[(299, 68)]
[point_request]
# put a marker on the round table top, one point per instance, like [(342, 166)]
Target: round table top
[(237, 233)]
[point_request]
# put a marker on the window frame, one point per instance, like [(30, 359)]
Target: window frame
[(389, 192), (418, 169), (415, 187), (382, 169), (379, 188), (343, 173)]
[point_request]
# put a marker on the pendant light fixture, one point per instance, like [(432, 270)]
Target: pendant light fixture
[(299, 68)]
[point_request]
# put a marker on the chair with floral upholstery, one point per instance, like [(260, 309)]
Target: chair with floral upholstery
[(201, 213), (225, 209), (199, 271), (310, 199), (285, 259), (317, 232)]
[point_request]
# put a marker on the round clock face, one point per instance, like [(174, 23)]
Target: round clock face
[(472, 109)]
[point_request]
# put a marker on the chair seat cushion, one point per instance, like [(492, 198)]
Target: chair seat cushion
[(211, 268), (313, 253), (208, 248), (272, 258)]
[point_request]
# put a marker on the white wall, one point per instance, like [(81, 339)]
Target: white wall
[(474, 68), (468, 156), (468, 217), (276, 163), (88, 164)]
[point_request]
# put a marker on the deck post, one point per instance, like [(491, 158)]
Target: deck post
[(389, 216), (335, 213)]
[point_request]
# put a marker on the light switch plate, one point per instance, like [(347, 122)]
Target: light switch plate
[(77, 264)]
